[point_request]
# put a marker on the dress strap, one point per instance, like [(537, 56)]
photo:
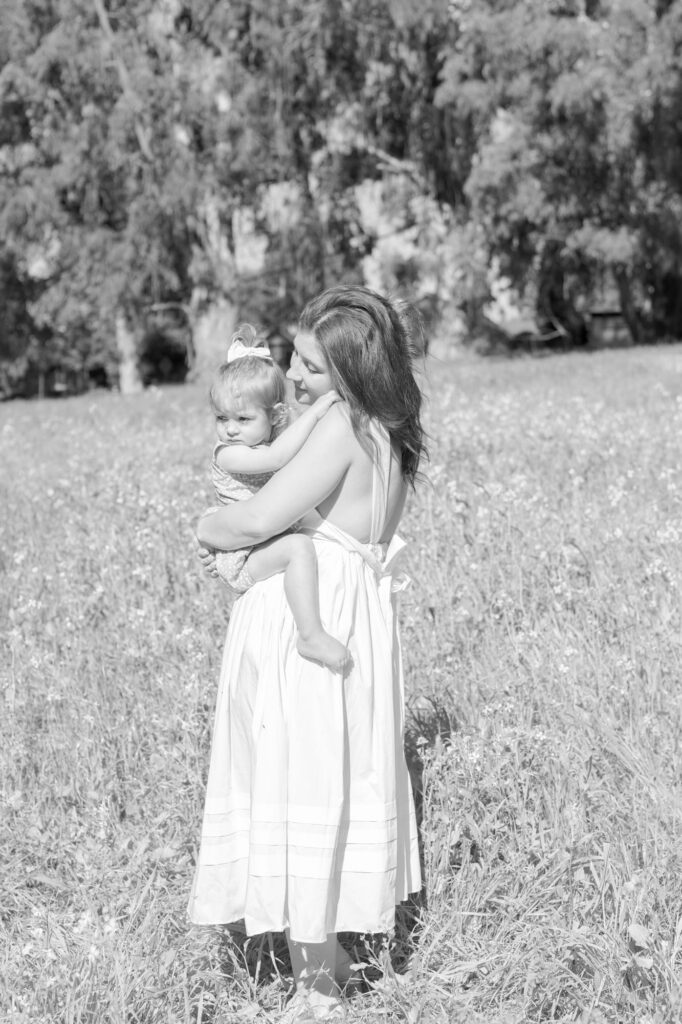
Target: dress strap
[(382, 558), (381, 467)]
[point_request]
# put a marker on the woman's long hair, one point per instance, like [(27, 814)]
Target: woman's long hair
[(370, 343)]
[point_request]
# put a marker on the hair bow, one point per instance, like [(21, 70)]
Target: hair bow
[(238, 350)]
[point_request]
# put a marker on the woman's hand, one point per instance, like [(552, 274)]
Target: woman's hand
[(207, 559)]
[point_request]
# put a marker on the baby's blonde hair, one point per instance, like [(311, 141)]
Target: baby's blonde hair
[(251, 378)]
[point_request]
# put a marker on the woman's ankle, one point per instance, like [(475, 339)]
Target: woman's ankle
[(343, 965), (313, 965)]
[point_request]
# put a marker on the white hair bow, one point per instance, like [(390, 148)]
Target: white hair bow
[(238, 350)]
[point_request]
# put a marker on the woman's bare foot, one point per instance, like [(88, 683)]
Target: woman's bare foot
[(323, 647), (325, 1007), (308, 1005), (317, 996)]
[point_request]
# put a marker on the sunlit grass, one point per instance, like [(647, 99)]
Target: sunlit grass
[(543, 645)]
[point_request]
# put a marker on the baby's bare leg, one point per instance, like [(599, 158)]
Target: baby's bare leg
[(294, 555)]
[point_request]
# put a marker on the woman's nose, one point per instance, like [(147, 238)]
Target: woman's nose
[(293, 371)]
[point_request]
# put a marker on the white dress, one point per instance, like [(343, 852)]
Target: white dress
[(309, 819)]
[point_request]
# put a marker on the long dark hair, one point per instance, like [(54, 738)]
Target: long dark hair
[(369, 343)]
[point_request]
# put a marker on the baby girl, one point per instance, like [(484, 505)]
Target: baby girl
[(255, 439)]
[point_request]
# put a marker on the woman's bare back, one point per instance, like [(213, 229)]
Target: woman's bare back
[(349, 506)]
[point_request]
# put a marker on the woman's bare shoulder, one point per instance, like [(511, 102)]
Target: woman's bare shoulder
[(336, 424)]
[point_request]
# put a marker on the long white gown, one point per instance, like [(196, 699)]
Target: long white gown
[(309, 819)]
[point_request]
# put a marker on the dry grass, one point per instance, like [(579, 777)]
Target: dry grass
[(543, 645)]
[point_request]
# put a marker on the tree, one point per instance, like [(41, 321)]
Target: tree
[(135, 135), (184, 154), (574, 174), (96, 190)]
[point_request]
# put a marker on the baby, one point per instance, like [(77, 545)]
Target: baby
[(255, 439)]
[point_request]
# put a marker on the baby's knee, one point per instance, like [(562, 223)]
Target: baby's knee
[(301, 547)]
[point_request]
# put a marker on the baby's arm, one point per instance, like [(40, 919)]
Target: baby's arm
[(239, 458), (311, 476)]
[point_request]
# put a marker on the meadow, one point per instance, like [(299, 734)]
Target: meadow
[(543, 647)]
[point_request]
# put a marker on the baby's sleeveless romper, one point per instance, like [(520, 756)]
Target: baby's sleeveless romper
[(309, 819), (229, 487)]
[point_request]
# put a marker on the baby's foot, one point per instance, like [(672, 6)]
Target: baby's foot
[(323, 647)]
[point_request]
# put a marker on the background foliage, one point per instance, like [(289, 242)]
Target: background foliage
[(148, 146)]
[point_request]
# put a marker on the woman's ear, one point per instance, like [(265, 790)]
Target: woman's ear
[(279, 415)]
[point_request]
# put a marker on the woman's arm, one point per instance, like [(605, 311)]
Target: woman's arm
[(239, 458), (298, 487)]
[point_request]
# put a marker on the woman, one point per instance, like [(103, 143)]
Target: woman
[(309, 821)]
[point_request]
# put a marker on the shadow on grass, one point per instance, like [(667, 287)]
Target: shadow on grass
[(427, 721)]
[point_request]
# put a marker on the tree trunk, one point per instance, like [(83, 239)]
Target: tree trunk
[(129, 380), (668, 305), (553, 304), (626, 304), (212, 330)]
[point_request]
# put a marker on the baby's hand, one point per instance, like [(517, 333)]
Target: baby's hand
[(324, 403)]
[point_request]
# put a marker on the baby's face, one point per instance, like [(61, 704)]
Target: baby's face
[(240, 421)]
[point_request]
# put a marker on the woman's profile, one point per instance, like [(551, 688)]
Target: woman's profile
[(309, 824)]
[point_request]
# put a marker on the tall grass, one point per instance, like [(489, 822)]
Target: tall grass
[(543, 643)]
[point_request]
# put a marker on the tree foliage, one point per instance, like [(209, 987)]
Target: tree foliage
[(576, 167), (138, 137)]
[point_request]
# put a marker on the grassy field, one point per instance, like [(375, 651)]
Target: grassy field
[(543, 645)]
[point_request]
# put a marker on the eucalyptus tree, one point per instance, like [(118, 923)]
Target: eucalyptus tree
[(96, 189), (132, 135), (574, 108), (319, 96), (145, 145)]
